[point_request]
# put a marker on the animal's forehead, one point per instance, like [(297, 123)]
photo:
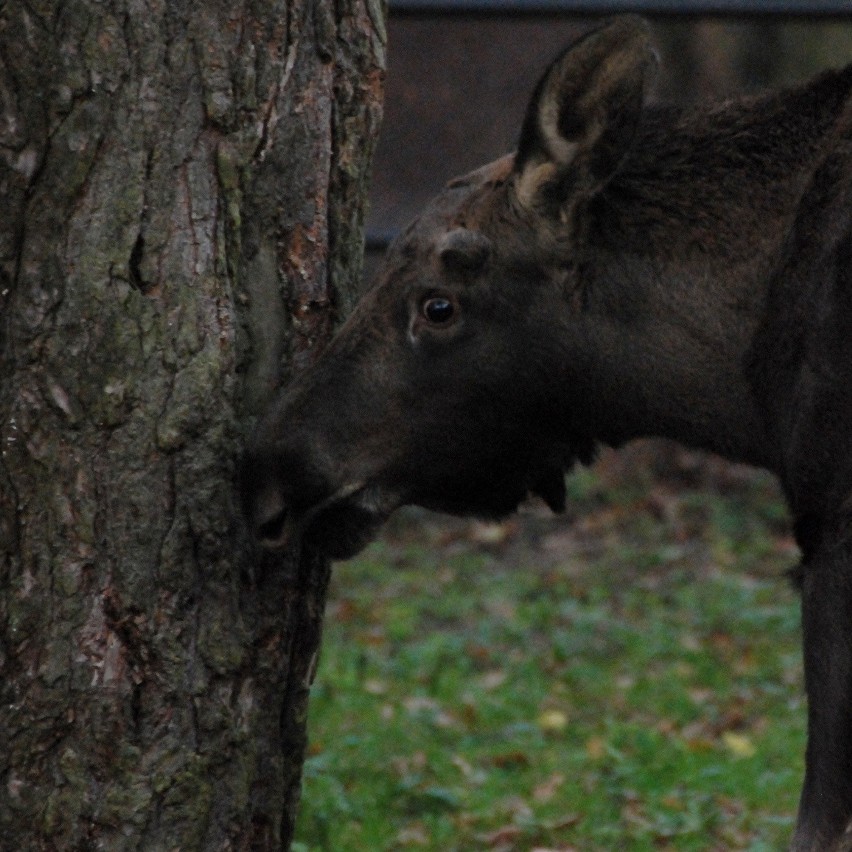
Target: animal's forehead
[(495, 172), (466, 201)]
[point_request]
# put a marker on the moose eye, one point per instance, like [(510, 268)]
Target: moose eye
[(438, 310)]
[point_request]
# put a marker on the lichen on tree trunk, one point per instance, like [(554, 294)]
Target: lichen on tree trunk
[(183, 192)]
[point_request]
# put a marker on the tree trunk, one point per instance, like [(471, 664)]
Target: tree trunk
[(182, 194)]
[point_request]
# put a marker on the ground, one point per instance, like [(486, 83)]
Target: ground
[(625, 677)]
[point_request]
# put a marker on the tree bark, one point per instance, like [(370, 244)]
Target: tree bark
[(183, 190)]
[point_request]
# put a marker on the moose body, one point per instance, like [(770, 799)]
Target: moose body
[(630, 271)]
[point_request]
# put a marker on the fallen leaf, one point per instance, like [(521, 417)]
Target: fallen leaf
[(546, 791), (413, 835), (595, 747), (567, 821), (553, 721), (489, 533), (502, 836), (511, 759), (739, 745), (493, 679)]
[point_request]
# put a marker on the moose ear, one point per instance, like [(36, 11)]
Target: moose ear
[(583, 114)]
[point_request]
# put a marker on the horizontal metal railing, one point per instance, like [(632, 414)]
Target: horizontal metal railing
[(519, 8)]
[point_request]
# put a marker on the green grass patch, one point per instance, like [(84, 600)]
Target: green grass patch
[(630, 679)]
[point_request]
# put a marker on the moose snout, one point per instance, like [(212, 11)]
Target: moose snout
[(290, 499), (268, 516), (267, 507), (284, 491), (279, 483)]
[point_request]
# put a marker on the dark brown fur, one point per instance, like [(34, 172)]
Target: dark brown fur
[(632, 271)]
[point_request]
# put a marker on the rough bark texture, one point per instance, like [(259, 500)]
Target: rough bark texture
[(182, 190)]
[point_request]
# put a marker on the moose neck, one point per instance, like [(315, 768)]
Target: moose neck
[(684, 241)]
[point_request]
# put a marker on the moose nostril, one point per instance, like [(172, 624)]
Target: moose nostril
[(272, 529), (270, 517)]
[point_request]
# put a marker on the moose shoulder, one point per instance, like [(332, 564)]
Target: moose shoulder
[(630, 271)]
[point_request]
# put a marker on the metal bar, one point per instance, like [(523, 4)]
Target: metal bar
[(521, 8)]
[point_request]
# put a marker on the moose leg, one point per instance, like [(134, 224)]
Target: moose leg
[(825, 809)]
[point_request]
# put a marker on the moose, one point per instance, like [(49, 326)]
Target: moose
[(631, 270)]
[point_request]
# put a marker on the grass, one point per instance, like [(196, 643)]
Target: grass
[(628, 678)]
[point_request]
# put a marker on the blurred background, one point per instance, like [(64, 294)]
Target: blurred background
[(626, 676), (457, 85)]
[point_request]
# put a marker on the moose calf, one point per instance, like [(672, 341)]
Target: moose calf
[(630, 271)]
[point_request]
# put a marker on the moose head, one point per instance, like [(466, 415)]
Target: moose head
[(456, 383)]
